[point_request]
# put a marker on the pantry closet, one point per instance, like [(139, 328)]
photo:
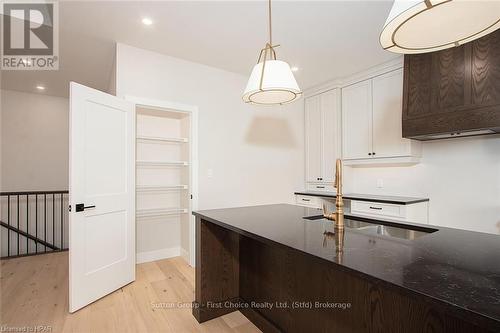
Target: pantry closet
[(164, 183)]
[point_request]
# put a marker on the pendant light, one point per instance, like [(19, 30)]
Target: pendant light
[(420, 26), (271, 81)]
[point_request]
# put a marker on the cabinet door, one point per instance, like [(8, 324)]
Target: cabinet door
[(388, 139), (357, 120), (331, 129), (453, 90), (313, 138), (485, 54)]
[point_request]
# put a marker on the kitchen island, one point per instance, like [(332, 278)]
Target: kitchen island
[(287, 269)]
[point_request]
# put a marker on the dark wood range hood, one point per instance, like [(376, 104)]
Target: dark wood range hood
[(453, 92)]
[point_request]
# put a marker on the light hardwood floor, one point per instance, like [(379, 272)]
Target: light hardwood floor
[(34, 292)]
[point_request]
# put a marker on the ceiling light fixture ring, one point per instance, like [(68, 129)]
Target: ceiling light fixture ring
[(429, 40), (456, 43), (296, 95), (428, 6)]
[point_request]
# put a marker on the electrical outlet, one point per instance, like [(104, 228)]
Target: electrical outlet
[(380, 183), (210, 173)]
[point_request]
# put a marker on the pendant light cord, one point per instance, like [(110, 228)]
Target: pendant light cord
[(269, 49), (270, 26)]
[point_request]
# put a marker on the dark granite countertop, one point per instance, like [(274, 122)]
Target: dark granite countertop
[(367, 197), (459, 269)]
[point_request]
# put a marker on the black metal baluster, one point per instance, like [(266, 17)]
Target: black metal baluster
[(53, 219), (27, 222), (36, 222), (15, 226), (45, 221), (18, 224), (62, 239), (8, 222)]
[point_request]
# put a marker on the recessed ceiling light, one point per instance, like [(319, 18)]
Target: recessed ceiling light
[(147, 21), (294, 68), (39, 87)]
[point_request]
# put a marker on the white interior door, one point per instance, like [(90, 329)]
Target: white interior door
[(102, 178)]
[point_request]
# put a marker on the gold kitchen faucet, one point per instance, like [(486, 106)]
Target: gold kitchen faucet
[(338, 215)]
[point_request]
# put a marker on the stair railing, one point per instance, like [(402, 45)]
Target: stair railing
[(33, 222)]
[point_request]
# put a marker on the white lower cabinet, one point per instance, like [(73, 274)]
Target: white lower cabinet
[(321, 187), (413, 212), (308, 201), (378, 209)]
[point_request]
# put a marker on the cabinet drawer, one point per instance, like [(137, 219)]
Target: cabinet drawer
[(321, 187), (305, 200), (377, 209)]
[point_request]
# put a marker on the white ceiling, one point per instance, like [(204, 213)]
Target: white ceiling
[(326, 39)]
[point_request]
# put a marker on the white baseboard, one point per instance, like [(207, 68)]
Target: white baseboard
[(171, 252)]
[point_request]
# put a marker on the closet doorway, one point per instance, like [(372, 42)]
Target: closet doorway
[(166, 179)]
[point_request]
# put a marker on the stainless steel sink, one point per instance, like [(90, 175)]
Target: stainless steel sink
[(384, 230), (403, 232)]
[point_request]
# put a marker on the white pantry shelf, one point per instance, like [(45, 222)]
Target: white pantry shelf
[(156, 212), (164, 155), (159, 188), (161, 139), (161, 163)]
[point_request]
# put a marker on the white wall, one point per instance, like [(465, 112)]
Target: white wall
[(256, 154), (112, 78), (34, 141), (460, 176)]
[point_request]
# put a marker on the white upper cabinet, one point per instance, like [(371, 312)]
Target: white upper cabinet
[(372, 120), (331, 131), (313, 138), (323, 133), (357, 120), (387, 123)]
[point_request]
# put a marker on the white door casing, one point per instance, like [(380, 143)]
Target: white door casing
[(102, 174)]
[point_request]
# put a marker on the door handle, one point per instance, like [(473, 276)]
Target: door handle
[(81, 207)]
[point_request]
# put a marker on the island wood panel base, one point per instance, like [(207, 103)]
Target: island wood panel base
[(236, 272), (216, 271)]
